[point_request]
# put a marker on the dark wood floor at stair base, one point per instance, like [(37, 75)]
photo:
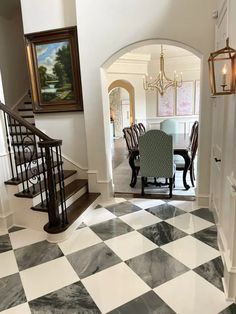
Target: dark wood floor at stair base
[(31, 193), (74, 211), (70, 190), (156, 196)]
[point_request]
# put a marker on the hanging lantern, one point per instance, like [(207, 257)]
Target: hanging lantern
[(222, 70)]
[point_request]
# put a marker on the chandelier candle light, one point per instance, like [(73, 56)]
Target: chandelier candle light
[(162, 82)]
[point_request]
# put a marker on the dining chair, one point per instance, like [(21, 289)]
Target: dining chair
[(129, 139), (192, 153), (156, 157), (169, 126), (142, 128)]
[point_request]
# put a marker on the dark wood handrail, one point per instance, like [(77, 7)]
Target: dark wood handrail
[(25, 123)]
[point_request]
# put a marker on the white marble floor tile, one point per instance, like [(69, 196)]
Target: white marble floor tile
[(189, 223), (112, 201), (44, 278), (98, 215), (140, 219), (79, 240), (190, 293), (145, 203), (187, 206), (8, 265), (19, 309), (190, 251), (114, 286), (25, 237), (130, 245)]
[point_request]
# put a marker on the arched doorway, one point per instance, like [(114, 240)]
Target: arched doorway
[(108, 65), (130, 89)]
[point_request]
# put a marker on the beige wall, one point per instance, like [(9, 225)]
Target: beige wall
[(13, 66), (40, 15)]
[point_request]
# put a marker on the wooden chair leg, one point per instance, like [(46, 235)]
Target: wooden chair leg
[(170, 186), (192, 177), (143, 184)]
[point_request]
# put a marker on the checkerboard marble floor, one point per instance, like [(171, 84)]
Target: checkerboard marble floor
[(129, 257)]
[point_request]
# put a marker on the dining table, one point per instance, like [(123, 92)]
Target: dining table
[(181, 147)]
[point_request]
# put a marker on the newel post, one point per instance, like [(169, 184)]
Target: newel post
[(52, 200)]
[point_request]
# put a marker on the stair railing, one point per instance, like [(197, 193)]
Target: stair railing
[(36, 164)]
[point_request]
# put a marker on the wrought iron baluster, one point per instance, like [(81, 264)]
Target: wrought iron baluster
[(44, 175), (61, 188), (8, 145), (38, 170), (23, 141), (10, 123), (17, 144), (63, 184), (54, 174)]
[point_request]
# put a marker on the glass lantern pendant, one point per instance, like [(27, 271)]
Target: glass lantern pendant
[(222, 70)]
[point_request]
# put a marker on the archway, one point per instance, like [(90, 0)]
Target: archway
[(109, 62), (130, 89)]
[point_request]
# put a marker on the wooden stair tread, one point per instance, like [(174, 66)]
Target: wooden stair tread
[(31, 174), (14, 124), (25, 109), (70, 190), (74, 211), (36, 190), (28, 102), (27, 116)]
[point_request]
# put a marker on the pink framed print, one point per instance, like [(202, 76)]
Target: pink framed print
[(185, 99), (197, 97), (166, 103)]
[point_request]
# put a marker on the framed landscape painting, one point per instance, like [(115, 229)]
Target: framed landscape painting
[(166, 103), (53, 61), (185, 99)]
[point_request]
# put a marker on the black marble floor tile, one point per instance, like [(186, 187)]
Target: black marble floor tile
[(11, 292), (208, 236), (111, 228), (229, 310), (93, 259), (213, 272), (15, 228), (156, 267), (204, 213), (165, 211), (98, 206), (162, 233), (5, 243), (72, 299), (37, 253), (123, 208), (148, 303)]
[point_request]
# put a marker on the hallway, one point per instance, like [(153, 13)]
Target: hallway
[(94, 272)]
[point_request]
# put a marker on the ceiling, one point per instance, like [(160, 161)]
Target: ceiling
[(8, 8), (153, 52)]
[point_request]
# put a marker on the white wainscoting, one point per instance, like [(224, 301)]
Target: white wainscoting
[(184, 122)]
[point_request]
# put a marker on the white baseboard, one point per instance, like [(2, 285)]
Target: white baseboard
[(6, 221), (203, 200), (18, 102)]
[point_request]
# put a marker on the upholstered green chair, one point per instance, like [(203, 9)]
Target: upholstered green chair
[(156, 157), (169, 126)]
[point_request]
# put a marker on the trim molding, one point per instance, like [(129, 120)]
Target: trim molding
[(203, 199), (74, 162)]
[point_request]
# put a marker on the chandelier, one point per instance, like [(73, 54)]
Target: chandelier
[(162, 82)]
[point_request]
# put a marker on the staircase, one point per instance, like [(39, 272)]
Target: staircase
[(37, 173)]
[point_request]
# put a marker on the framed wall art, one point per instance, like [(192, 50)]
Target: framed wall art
[(185, 99), (166, 103), (53, 62)]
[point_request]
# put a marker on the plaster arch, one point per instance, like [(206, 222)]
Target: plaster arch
[(130, 89), (169, 42)]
